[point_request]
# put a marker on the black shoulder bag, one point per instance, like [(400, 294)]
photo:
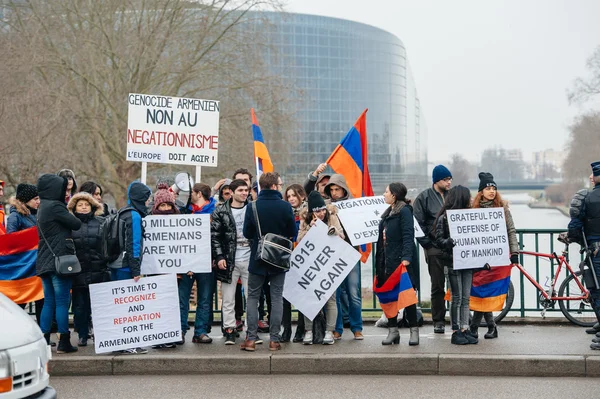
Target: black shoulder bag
[(272, 248), (65, 265)]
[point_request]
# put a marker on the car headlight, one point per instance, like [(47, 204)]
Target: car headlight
[(5, 372)]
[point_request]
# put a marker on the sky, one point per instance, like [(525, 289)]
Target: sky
[(488, 72)]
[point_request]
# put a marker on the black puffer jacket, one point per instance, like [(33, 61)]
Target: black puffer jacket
[(54, 222), (223, 237), (398, 226), (89, 244)]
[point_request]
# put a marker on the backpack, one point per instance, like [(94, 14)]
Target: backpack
[(114, 235)]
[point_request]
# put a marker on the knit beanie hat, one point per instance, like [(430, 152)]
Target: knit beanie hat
[(315, 202), (486, 180), (440, 172), (163, 196), (26, 192), (596, 168)]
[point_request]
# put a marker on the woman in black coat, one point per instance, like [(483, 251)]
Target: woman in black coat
[(55, 225), (395, 246), (89, 249)]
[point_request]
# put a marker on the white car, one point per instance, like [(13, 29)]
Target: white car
[(24, 355)]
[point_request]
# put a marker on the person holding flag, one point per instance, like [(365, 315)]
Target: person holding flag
[(396, 278), (2, 215), (352, 180)]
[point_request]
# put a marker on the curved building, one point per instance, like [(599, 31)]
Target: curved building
[(343, 67)]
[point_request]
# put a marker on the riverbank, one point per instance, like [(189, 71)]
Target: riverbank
[(542, 204)]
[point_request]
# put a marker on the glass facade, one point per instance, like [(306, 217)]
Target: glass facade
[(343, 67)]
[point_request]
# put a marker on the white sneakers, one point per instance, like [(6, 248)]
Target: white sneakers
[(328, 339), (308, 338)]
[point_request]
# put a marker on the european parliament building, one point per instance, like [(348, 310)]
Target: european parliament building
[(343, 67)]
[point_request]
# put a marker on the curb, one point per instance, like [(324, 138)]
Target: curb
[(350, 364)]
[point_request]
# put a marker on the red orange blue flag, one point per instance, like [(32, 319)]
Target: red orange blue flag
[(350, 159), (261, 154), (396, 293), (18, 253), (489, 289)]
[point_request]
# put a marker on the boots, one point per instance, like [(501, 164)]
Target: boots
[(64, 344), (393, 336), (47, 337), (492, 332), (414, 336), (474, 331)]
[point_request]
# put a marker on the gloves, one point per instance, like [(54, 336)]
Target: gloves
[(448, 243), (514, 258)]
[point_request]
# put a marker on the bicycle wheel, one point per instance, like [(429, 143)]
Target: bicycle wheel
[(578, 312), (510, 297)]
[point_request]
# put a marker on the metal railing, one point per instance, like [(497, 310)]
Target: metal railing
[(529, 239)]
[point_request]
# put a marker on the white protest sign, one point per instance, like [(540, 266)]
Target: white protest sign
[(172, 130), (129, 314), (176, 244), (480, 236), (360, 218), (418, 230), (319, 264)]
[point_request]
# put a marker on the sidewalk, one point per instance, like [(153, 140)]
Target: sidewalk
[(520, 350)]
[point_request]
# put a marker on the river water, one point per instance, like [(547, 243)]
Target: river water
[(524, 217)]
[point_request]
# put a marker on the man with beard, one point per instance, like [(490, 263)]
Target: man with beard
[(426, 207)]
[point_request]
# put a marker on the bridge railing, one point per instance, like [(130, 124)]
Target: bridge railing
[(527, 297)]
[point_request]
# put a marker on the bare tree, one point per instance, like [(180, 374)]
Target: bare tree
[(583, 147), (85, 56), (585, 88)]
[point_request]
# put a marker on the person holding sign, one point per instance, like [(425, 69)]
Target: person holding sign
[(164, 204), (395, 250), (317, 210), (296, 196), (489, 197), (458, 197), (337, 189)]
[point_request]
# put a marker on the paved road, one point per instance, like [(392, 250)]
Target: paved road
[(302, 387)]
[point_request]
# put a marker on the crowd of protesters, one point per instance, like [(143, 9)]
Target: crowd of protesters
[(70, 220)]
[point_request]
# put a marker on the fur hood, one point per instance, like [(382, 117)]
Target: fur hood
[(18, 206), (97, 207)]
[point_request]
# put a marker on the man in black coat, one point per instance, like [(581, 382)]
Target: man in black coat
[(274, 216), (426, 207)]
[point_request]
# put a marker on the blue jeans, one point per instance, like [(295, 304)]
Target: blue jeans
[(120, 274), (595, 293), (57, 298), (204, 283), (352, 287)]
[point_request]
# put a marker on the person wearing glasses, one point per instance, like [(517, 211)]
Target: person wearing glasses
[(426, 207)]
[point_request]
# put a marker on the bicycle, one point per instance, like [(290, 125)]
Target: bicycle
[(573, 297)]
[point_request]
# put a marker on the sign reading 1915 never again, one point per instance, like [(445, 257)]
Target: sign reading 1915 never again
[(173, 130), (130, 314), (319, 264), (480, 236), (176, 244)]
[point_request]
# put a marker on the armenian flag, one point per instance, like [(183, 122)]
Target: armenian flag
[(18, 253), (396, 293), (489, 290), (261, 154), (350, 158)]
